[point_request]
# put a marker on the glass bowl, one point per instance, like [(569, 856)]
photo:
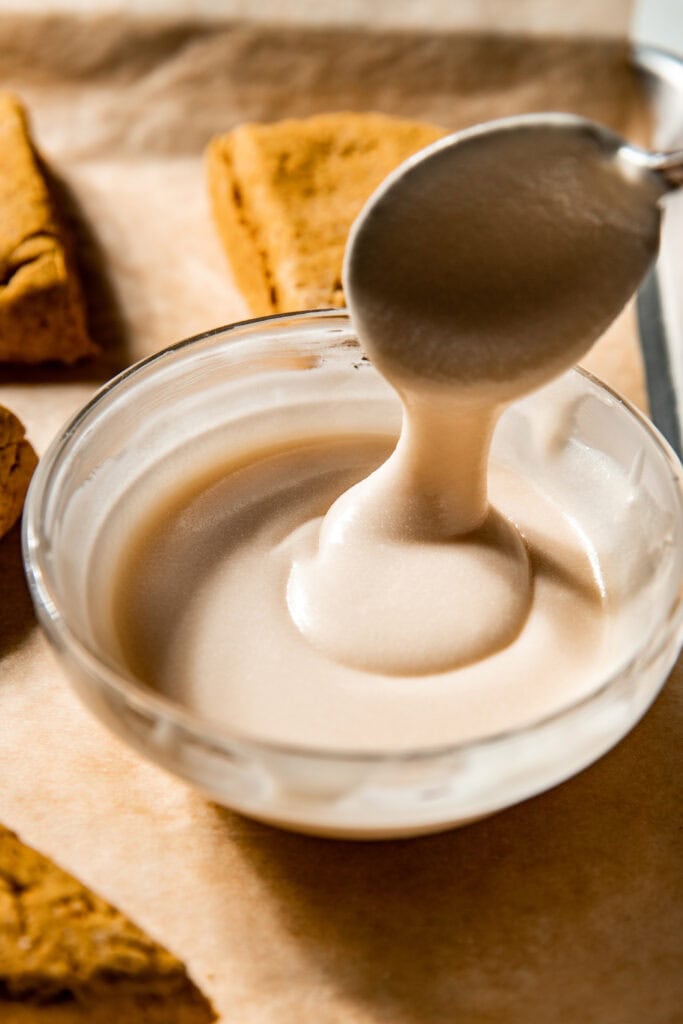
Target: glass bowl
[(179, 409)]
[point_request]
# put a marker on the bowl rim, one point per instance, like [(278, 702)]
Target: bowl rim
[(149, 703)]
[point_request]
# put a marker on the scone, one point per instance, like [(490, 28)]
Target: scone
[(284, 196), (42, 313), (66, 955), (17, 462)]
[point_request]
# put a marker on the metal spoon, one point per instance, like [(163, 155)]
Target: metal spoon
[(502, 252)]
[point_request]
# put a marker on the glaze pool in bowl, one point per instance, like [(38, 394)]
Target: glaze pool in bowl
[(182, 409)]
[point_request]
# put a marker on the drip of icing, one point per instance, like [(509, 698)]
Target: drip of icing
[(483, 268)]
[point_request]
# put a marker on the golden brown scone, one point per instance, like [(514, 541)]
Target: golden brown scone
[(62, 946), (17, 462), (284, 196), (41, 306)]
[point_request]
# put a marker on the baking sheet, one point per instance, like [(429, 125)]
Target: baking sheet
[(660, 299), (568, 907)]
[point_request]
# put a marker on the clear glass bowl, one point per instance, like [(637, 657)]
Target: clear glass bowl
[(181, 407)]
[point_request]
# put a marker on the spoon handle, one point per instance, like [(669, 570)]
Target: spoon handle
[(668, 165)]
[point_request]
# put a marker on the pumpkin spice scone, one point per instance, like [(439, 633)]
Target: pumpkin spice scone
[(66, 955), (42, 314), (17, 462), (284, 196)]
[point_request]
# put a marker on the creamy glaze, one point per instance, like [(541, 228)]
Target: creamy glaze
[(202, 618)]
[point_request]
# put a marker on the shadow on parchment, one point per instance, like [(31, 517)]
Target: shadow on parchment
[(16, 610), (568, 907), (104, 317)]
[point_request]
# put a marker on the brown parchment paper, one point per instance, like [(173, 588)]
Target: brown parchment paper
[(567, 908)]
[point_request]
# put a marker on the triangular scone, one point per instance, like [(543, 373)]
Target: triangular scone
[(17, 462), (284, 196), (66, 955), (41, 306)]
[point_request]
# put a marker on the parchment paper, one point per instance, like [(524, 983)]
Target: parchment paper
[(567, 908)]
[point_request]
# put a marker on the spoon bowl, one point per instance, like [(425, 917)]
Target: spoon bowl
[(499, 254)]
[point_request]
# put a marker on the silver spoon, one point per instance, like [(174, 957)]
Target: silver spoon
[(502, 252)]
